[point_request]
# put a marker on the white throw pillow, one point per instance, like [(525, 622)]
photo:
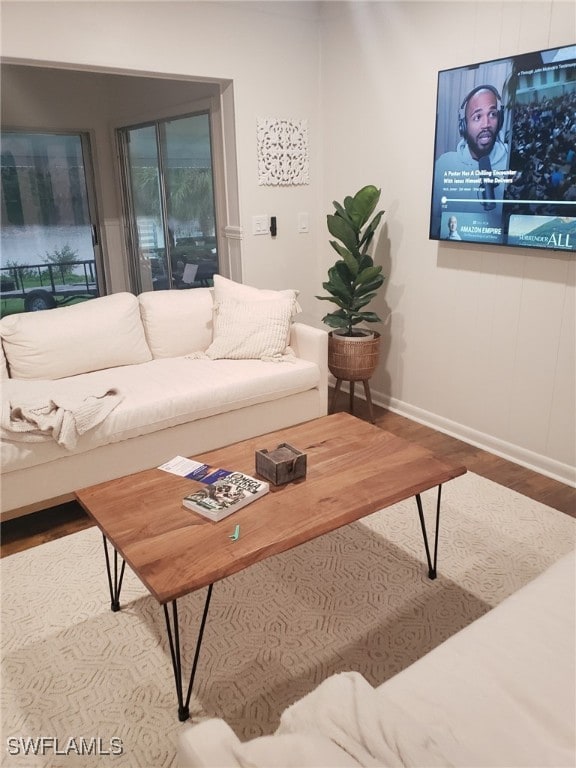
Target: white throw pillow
[(177, 322), (246, 330), (225, 289), (99, 333)]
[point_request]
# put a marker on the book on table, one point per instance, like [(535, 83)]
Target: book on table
[(225, 491)]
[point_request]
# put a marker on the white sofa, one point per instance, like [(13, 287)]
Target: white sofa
[(500, 693), (121, 383)]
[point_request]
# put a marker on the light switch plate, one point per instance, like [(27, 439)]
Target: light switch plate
[(260, 225)]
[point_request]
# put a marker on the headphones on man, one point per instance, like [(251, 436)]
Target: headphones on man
[(462, 125)]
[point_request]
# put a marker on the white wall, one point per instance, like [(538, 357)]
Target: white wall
[(478, 341)]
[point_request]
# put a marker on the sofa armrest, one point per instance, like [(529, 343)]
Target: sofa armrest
[(4, 374), (311, 344)]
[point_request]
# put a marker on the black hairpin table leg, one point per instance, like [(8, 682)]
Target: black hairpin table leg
[(174, 640), (431, 564), (114, 578)]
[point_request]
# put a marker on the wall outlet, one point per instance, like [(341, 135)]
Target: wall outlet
[(260, 225)]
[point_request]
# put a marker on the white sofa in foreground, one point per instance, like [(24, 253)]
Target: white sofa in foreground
[(502, 692), (122, 383)]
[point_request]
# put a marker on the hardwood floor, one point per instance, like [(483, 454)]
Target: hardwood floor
[(32, 530), (539, 487)]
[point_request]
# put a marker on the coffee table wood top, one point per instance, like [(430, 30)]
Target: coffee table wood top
[(354, 469)]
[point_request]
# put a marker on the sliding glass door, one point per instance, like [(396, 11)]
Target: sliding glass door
[(49, 244), (169, 193)]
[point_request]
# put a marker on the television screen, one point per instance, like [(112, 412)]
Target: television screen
[(505, 152)]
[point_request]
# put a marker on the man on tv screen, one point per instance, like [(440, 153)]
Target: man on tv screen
[(469, 179)]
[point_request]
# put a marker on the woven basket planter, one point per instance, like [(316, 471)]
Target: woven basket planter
[(353, 359)]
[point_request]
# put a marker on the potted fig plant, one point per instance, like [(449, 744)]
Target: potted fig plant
[(353, 281)]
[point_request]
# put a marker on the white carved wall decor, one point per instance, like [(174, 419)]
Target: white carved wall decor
[(282, 151)]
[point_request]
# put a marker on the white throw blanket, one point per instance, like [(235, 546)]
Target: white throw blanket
[(61, 416)]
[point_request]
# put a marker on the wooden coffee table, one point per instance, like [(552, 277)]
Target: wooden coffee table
[(354, 469)]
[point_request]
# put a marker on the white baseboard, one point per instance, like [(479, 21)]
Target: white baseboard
[(556, 470)]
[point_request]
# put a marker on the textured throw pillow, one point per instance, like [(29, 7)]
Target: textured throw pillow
[(246, 330), (225, 290)]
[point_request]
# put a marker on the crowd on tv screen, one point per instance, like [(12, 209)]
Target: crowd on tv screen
[(543, 152)]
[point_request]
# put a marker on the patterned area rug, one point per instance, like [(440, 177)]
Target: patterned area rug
[(97, 683)]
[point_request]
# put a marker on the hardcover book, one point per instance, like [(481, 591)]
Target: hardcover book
[(225, 492)]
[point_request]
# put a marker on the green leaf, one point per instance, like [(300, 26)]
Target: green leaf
[(371, 229), (341, 230), (333, 299), (336, 285), (363, 204), (336, 296), (345, 275), (368, 317), (343, 213), (333, 321), (361, 301), (368, 274), (348, 204), (338, 302), (353, 213), (365, 288), (351, 262), (365, 261)]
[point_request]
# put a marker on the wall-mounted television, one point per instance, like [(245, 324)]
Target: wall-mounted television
[(505, 152)]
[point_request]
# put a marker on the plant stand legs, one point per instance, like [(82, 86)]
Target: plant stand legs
[(335, 394), (366, 393), (368, 399)]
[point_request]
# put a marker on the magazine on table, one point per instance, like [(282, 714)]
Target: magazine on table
[(225, 491)]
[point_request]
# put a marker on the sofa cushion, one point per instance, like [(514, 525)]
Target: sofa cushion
[(160, 394), (177, 323), (106, 332), (245, 330)]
